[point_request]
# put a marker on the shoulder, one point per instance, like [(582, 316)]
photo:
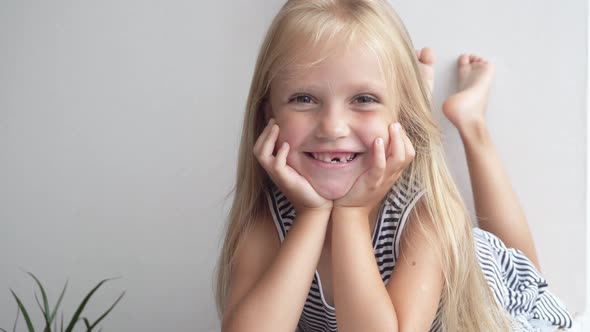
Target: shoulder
[(257, 239), (418, 228), (255, 251)]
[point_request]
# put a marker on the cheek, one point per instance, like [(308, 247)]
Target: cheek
[(372, 130), (294, 135), (290, 135), (291, 130)]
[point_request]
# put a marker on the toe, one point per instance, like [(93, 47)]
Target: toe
[(427, 56), (463, 59)]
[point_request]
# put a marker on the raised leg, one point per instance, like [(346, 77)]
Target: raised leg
[(497, 208)]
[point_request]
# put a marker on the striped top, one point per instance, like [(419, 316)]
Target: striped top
[(514, 281)]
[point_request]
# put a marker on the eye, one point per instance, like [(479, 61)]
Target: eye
[(366, 99), (302, 99)]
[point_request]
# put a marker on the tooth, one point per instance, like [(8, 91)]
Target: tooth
[(326, 157)]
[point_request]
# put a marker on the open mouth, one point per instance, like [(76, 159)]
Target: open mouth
[(333, 158)]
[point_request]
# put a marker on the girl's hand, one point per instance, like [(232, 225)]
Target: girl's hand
[(295, 187), (370, 188)]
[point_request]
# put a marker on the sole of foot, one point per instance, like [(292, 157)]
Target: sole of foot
[(469, 104)]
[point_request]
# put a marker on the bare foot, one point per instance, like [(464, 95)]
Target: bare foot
[(426, 63), (468, 106)]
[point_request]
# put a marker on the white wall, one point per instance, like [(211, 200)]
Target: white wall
[(537, 113), (119, 126)]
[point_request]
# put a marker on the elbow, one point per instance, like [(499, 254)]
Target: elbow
[(227, 324), (228, 328), (232, 324), (383, 325), (390, 324)]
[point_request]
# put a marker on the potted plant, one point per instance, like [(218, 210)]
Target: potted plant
[(49, 315)]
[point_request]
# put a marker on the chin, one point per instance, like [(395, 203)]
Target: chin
[(332, 190)]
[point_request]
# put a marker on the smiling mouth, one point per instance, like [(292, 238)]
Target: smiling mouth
[(333, 158)]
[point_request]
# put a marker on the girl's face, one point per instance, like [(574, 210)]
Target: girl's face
[(331, 114)]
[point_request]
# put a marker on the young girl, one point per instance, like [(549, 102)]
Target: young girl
[(343, 198)]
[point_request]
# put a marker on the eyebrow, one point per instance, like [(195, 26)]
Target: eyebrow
[(355, 86)]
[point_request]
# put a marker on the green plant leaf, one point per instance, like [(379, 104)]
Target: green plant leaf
[(87, 323), (83, 304), (45, 308), (16, 320), (25, 314), (57, 306), (107, 312), (47, 323)]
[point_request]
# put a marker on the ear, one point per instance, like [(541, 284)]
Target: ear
[(266, 108)]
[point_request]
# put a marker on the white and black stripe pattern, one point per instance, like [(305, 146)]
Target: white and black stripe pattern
[(317, 314), (516, 285)]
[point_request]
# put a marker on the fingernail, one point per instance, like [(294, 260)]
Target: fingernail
[(380, 141), (396, 126)]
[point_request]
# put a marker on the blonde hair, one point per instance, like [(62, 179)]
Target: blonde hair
[(467, 301)]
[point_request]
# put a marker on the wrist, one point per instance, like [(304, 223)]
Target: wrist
[(315, 211), (350, 212), (353, 219)]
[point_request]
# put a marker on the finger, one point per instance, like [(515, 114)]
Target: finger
[(268, 145), (281, 159), (397, 153), (378, 161), (263, 136), (280, 168), (396, 143), (391, 147), (410, 151)]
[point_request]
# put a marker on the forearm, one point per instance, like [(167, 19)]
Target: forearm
[(277, 299), (360, 296), (497, 207)]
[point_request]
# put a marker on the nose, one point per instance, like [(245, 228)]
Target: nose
[(332, 123)]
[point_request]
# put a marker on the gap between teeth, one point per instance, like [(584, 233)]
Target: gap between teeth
[(334, 160)]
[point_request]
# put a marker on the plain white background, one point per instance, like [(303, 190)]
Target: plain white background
[(120, 121)]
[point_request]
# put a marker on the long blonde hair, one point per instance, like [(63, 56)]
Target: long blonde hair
[(467, 301)]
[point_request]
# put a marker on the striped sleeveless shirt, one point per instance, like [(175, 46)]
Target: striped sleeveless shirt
[(515, 283)]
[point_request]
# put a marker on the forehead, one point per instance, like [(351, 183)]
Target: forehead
[(332, 63)]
